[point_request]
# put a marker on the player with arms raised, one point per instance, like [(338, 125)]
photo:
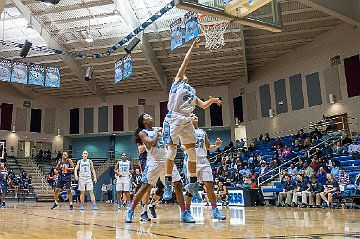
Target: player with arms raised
[(178, 126)]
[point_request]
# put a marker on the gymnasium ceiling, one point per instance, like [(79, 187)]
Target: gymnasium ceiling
[(64, 25)]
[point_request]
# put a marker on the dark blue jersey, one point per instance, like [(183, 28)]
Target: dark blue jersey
[(64, 174), (3, 176)]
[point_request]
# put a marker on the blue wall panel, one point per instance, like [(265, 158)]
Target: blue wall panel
[(98, 147)]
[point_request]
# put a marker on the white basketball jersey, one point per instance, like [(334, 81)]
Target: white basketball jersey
[(124, 168), (159, 150), (182, 98), (201, 151), (85, 171)]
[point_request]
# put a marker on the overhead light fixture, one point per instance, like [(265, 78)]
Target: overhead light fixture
[(58, 132), (49, 2), (13, 129), (271, 113), (88, 37), (89, 73), (332, 99)]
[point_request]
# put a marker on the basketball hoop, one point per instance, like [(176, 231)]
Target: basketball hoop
[(213, 32)]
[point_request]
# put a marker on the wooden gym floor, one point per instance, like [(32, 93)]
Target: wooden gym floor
[(37, 220)]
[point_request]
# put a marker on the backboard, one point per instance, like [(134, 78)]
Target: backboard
[(263, 14)]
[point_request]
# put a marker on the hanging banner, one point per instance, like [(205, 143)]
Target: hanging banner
[(127, 66), (191, 26), (5, 70), (52, 77), (176, 34), (36, 74), (19, 72), (118, 71)]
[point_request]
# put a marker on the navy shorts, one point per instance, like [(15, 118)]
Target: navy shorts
[(143, 164), (3, 188), (60, 184)]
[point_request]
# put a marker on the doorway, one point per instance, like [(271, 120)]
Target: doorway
[(240, 132), (24, 149)]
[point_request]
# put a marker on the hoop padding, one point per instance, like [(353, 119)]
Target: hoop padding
[(214, 34)]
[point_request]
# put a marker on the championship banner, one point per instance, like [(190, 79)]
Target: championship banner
[(52, 77), (5, 70), (127, 66), (118, 71), (176, 34), (191, 26), (19, 72), (36, 74)]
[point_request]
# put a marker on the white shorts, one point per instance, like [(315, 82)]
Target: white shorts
[(178, 127), (156, 170), (203, 171), (86, 184), (123, 184)]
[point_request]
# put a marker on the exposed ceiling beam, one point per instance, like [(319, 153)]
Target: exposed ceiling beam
[(347, 11), (75, 68), (130, 18)]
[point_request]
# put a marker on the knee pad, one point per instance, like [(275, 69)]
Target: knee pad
[(191, 154), (171, 152)]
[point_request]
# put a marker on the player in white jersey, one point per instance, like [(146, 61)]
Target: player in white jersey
[(85, 181), (152, 138), (178, 126), (123, 171), (203, 168), (4, 182)]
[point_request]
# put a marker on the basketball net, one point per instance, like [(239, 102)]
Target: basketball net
[(214, 33)]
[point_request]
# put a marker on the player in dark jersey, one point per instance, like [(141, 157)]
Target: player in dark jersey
[(331, 188), (3, 184), (64, 169)]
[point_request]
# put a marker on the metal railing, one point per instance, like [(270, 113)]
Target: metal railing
[(104, 167), (278, 168), (40, 175)]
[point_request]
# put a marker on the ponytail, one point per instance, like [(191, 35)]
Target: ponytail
[(141, 126)]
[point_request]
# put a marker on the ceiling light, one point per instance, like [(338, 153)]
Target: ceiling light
[(49, 2), (88, 37)]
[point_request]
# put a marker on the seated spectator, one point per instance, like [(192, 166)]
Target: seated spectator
[(316, 134), (315, 189), (287, 150), (252, 147), (292, 169), (288, 188), (357, 183), (274, 163), (297, 147), (331, 188), (263, 171), (343, 179), (335, 170), (254, 185), (346, 140), (278, 143), (327, 151), (321, 176), (267, 137), (222, 194), (240, 143), (309, 172), (261, 137), (306, 144), (354, 150), (246, 170), (302, 189), (315, 163), (338, 150), (303, 135)]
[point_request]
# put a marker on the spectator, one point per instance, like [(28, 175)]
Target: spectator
[(58, 156), (252, 147), (331, 188), (309, 172), (292, 169), (288, 188), (245, 170), (327, 151), (222, 194), (103, 192), (335, 170), (338, 150), (267, 137), (277, 143), (315, 189), (286, 151), (240, 143), (354, 149), (303, 190), (346, 140), (303, 135), (263, 171), (321, 176), (357, 183), (261, 137), (316, 134), (343, 179), (297, 147), (275, 162), (315, 163)]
